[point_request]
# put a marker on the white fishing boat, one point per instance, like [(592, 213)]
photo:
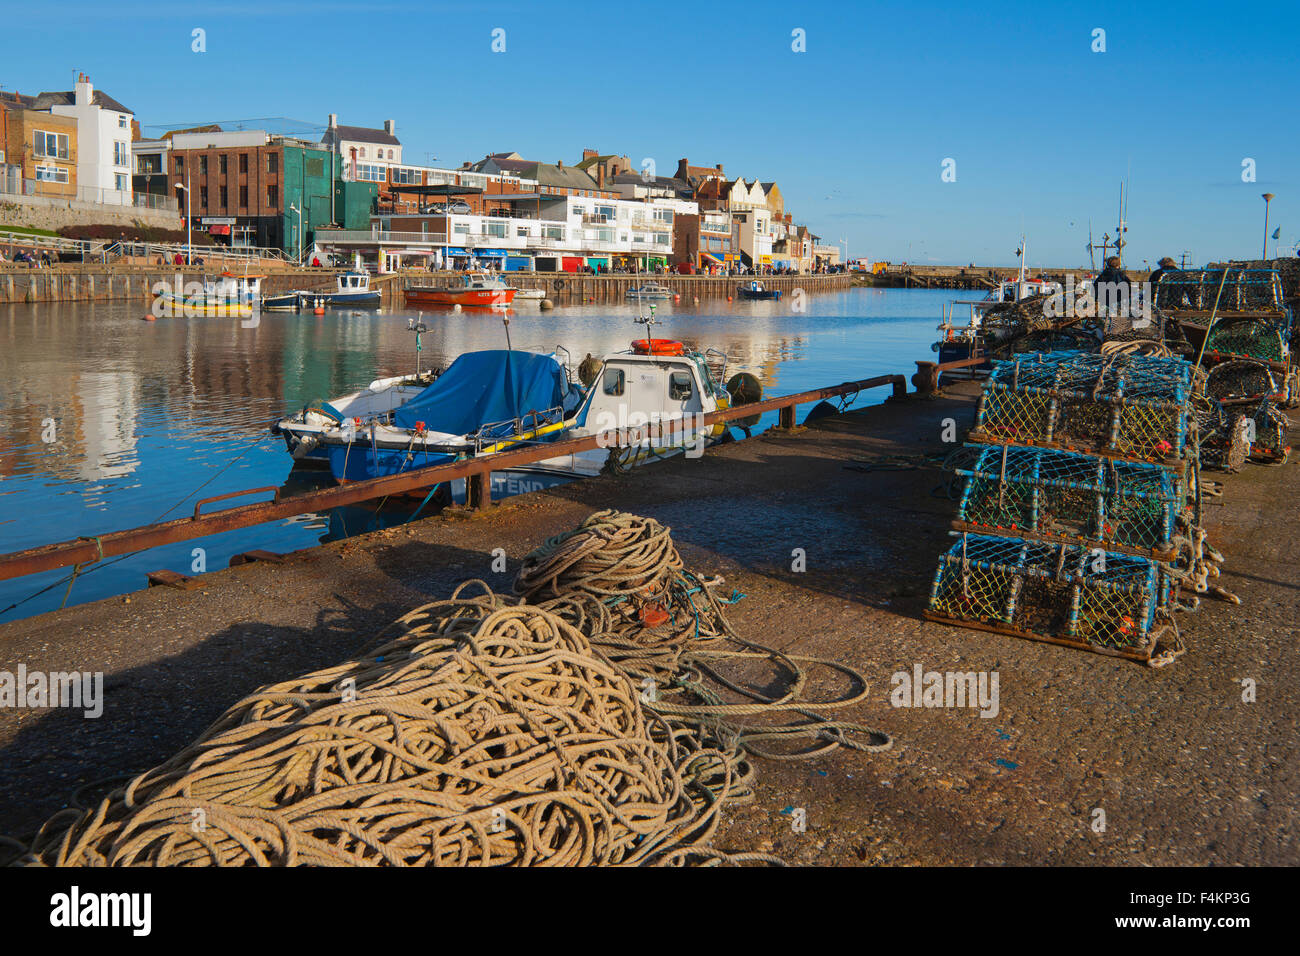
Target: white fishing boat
[(351, 289), (650, 290)]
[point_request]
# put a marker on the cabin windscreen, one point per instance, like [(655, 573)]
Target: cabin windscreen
[(486, 387)]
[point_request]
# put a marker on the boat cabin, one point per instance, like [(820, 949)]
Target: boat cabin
[(634, 388), (353, 282)]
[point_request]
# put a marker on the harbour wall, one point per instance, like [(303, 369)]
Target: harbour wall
[(76, 282)]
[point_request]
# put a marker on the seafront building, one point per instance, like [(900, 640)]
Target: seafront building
[(353, 193)]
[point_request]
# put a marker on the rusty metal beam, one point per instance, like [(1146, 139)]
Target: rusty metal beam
[(200, 524)]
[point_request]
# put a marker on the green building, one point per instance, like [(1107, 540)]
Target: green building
[(307, 180)]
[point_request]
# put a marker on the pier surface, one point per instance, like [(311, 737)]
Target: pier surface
[(1185, 771)]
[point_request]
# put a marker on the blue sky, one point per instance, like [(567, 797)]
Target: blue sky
[(855, 129)]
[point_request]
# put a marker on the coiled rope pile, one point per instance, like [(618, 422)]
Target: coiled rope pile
[(485, 730), (619, 579)]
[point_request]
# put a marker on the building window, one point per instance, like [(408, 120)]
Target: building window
[(180, 165), (243, 162), (361, 151), (496, 229), (225, 196), (51, 145), (51, 174), (273, 196), (121, 121), (203, 197), (120, 183), (203, 165), (390, 154), (272, 162), (221, 164), (368, 172), (243, 196)]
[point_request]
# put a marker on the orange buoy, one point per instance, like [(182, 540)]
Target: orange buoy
[(677, 297), (728, 298), (148, 317), (657, 347), (319, 310)]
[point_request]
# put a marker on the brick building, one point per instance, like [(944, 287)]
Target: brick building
[(38, 149), (262, 190)]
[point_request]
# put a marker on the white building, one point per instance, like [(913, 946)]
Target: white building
[(366, 153), (104, 135), (545, 232)]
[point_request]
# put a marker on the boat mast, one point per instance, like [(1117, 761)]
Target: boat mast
[(417, 327)]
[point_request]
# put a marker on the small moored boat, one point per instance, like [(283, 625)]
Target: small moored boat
[(755, 290), (351, 289), (650, 290), (474, 289), (227, 294)]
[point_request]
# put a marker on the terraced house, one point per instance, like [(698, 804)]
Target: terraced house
[(38, 150)]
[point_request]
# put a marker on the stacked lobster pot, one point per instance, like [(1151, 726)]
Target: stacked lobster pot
[(1239, 320), (1079, 518)]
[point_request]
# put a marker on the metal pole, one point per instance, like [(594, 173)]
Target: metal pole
[(189, 220), (1268, 197)]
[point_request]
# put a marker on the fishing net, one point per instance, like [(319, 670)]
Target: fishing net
[(1099, 600), (1051, 340), (1240, 290), (1133, 406), (1257, 338), (1245, 380), (1064, 495)]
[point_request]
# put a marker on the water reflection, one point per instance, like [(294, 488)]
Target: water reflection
[(150, 416)]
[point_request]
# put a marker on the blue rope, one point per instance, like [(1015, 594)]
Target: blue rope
[(424, 502)]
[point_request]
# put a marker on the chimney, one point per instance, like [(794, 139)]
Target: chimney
[(85, 94), (334, 120), (559, 164), (600, 176), (390, 127), (589, 154)]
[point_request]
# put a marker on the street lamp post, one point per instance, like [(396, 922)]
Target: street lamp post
[(1268, 197), (298, 236), (189, 223)]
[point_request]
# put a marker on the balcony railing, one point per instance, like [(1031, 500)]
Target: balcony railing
[(24, 186)]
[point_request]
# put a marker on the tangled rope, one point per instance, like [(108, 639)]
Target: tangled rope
[(1153, 348), (620, 580), (482, 731), (593, 719)]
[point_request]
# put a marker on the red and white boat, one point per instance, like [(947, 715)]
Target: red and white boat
[(474, 289)]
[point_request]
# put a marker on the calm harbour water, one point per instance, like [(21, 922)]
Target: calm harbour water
[(151, 416)]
